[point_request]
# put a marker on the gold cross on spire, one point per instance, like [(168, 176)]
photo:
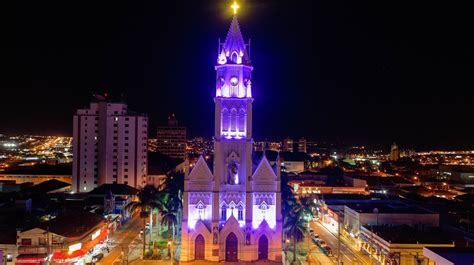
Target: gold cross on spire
[(235, 6)]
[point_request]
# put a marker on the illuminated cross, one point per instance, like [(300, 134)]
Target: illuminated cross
[(235, 6)]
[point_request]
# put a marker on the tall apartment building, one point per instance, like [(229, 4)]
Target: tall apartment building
[(288, 145), (171, 139), (109, 145), (394, 152), (302, 145)]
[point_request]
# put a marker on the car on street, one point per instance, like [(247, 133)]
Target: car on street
[(97, 257), (322, 243), (328, 251)]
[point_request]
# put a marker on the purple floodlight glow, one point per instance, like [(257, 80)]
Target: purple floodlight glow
[(192, 224)]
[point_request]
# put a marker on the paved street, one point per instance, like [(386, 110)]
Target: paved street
[(348, 255), (125, 238), (315, 255)]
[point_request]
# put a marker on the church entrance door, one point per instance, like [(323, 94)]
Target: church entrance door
[(199, 248), (231, 248), (263, 248)]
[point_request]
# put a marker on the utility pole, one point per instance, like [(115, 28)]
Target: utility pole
[(339, 260), (48, 251)]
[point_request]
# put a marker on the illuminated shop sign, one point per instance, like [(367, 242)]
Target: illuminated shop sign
[(75, 247), (95, 234)]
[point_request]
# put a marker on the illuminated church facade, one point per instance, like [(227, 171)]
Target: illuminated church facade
[(233, 212)]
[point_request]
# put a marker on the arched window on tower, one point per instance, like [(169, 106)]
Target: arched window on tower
[(200, 209), (263, 209), (223, 213), (225, 120), (234, 56), (233, 120), (242, 118), (240, 213)]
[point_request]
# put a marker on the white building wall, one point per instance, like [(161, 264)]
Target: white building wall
[(109, 146)]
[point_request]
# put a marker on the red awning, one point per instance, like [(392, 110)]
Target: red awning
[(31, 258), (81, 252)]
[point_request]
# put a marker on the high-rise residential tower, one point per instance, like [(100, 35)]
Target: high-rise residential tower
[(302, 145), (109, 145), (394, 152), (288, 145), (171, 139)]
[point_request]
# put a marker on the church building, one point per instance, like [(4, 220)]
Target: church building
[(233, 212)]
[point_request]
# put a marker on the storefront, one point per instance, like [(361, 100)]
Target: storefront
[(114, 222), (82, 252), (31, 259), (330, 221), (398, 245)]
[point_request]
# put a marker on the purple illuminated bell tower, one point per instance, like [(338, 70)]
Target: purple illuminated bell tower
[(233, 114), (234, 212)]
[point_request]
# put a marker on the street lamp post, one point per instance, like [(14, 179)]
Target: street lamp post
[(170, 251)]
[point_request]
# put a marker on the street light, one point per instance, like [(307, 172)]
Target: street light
[(170, 249)]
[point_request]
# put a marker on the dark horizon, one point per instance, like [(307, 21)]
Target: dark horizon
[(358, 73)]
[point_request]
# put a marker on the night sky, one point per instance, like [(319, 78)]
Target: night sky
[(345, 71)]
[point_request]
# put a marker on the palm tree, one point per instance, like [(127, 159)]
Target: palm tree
[(169, 217), (287, 196), (146, 203), (295, 227), (173, 188)]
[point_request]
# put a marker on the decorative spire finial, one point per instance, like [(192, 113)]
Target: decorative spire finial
[(235, 6)]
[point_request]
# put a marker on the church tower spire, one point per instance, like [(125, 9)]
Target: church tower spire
[(232, 213), (234, 50)]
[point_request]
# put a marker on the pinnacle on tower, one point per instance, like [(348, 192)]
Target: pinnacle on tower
[(234, 46)]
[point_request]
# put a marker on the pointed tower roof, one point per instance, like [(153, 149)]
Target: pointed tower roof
[(235, 42)]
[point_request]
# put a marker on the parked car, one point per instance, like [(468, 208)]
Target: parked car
[(97, 257), (321, 243), (328, 251)]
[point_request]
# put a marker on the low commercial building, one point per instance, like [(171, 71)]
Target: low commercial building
[(293, 166), (8, 249), (72, 238), (312, 184), (400, 245), (113, 199), (449, 256), (35, 178), (37, 174), (384, 213)]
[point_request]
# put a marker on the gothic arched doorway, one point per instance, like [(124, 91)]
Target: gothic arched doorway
[(231, 248), (199, 247), (263, 248)]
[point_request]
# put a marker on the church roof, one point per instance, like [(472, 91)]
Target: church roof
[(235, 42), (201, 171), (264, 171)]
